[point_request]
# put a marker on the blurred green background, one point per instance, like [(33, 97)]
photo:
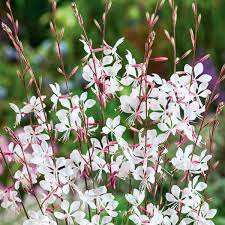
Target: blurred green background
[(126, 19)]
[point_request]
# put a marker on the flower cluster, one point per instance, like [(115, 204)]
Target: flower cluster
[(171, 105), (109, 162)]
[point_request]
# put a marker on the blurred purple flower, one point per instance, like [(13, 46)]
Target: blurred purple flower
[(10, 54)]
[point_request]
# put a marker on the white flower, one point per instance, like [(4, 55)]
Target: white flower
[(55, 170), (132, 105), (200, 92), (36, 106), (104, 145), (156, 216), (170, 217), (9, 199), (87, 49), (18, 112), (92, 72), (113, 51), (68, 122), (182, 161), (195, 187), (41, 152), (77, 161), (104, 201), (57, 96), (177, 197), (24, 178), (82, 102), (198, 70), (71, 212), (132, 74), (112, 71), (97, 220), (32, 136), (113, 126), (145, 175), (112, 86), (138, 218), (37, 218), (200, 163), (99, 164), (192, 162), (136, 198), (16, 151), (164, 111), (204, 216), (153, 140)]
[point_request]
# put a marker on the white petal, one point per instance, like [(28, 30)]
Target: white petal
[(116, 121), (107, 60), (170, 197), (65, 205), (198, 69), (106, 130), (74, 206), (204, 78), (188, 69), (89, 103), (14, 107), (175, 191), (59, 215), (211, 213), (201, 186)]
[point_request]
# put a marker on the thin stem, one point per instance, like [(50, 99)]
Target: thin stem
[(13, 179)]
